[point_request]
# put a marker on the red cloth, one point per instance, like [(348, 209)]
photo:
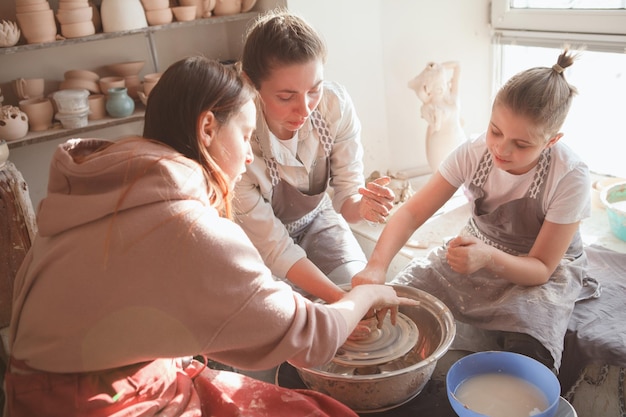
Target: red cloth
[(155, 389), (227, 394)]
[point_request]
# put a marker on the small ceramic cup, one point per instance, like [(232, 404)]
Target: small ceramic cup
[(97, 106), (29, 88), (40, 113)]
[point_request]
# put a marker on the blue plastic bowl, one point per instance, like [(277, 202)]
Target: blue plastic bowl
[(509, 363)]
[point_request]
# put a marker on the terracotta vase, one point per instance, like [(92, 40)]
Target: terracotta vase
[(122, 15), (13, 123), (119, 103)]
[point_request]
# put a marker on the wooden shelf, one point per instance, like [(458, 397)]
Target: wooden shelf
[(57, 131), (147, 31)]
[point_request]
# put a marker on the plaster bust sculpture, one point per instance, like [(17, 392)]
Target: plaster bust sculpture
[(437, 87)]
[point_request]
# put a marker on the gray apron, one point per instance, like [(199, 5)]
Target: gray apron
[(310, 218), (484, 300)]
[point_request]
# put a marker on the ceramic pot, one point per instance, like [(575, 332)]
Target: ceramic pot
[(203, 7), (13, 123), (122, 15), (119, 103), (38, 26), (227, 7), (39, 111), (97, 106)]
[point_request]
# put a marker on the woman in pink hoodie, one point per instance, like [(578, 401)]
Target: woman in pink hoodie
[(137, 265)]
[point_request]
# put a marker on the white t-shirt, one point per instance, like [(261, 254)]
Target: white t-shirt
[(568, 188)]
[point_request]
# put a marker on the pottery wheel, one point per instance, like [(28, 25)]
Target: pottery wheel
[(383, 345)]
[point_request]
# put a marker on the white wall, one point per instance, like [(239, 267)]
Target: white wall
[(377, 46)]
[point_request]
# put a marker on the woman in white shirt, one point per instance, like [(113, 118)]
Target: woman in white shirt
[(307, 142)]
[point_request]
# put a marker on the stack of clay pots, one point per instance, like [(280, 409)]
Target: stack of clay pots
[(76, 18), (158, 12), (36, 20), (73, 107), (129, 72)]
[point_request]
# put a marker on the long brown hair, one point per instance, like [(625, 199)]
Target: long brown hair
[(186, 89)]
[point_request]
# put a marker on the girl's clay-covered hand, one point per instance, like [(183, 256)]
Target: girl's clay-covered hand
[(467, 254)]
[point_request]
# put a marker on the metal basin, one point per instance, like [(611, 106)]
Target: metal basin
[(388, 385)]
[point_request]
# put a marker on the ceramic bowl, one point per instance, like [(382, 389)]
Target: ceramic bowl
[(25, 2), (72, 5), (71, 101), (159, 16), (81, 74), (73, 120), (80, 84), (227, 7), (126, 69), (184, 13), (601, 184), (203, 7), (524, 368), (34, 7), (82, 14), (155, 4), (614, 200), (247, 5), (78, 29), (111, 82)]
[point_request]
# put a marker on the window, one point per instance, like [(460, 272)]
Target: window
[(596, 125)]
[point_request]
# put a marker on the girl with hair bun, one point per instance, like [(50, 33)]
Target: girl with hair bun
[(516, 269)]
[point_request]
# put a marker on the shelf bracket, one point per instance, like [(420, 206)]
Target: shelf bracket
[(153, 50)]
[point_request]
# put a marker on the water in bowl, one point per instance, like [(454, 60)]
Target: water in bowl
[(501, 395)]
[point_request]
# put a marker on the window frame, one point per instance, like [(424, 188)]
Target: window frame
[(580, 21)]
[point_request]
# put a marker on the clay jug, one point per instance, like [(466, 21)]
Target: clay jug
[(13, 123), (122, 15), (119, 103)]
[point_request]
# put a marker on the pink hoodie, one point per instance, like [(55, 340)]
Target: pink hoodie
[(131, 264)]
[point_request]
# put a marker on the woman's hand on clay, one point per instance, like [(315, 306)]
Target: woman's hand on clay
[(376, 201), (365, 327), (386, 300), (467, 254)]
